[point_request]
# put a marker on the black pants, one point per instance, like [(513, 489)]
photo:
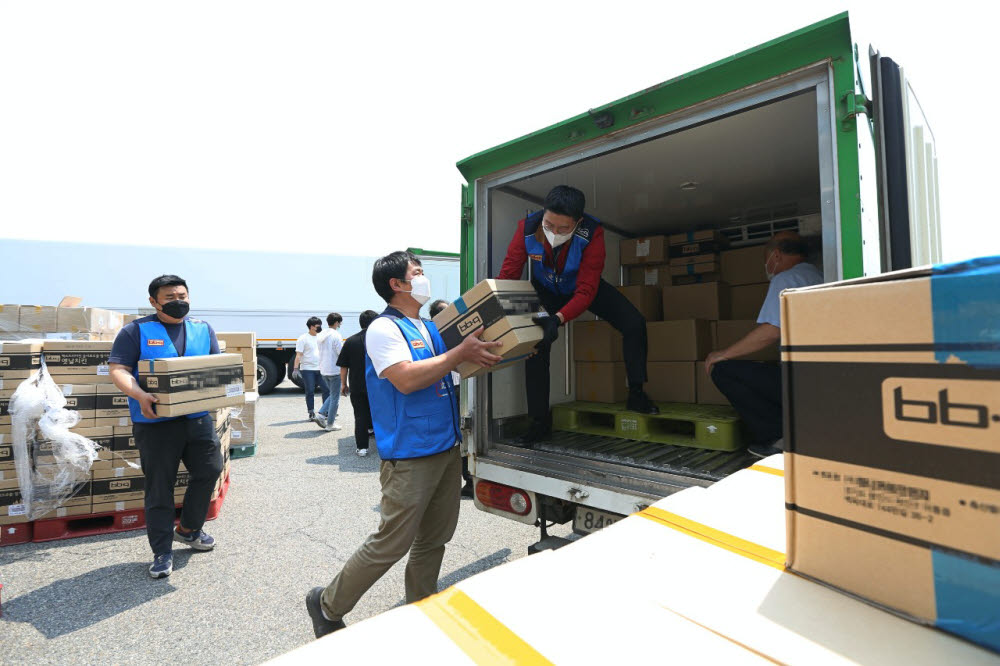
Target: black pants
[(754, 389), (162, 446), (362, 418), (608, 304)]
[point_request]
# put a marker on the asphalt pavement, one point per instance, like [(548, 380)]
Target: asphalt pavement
[(294, 513)]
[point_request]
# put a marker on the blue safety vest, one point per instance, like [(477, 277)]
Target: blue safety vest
[(421, 423), (154, 342), (559, 282)]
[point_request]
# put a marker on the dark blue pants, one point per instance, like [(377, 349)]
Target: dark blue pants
[(311, 379), (754, 389)]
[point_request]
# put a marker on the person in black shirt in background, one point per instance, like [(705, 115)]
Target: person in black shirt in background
[(352, 381), (468, 490)]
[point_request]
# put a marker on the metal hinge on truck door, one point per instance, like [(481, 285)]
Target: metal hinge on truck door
[(854, 104), (466, 423)]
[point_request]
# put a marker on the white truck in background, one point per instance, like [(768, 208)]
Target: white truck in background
[(225, 285)]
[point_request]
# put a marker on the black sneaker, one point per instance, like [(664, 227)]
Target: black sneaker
[(321, 625), (638, 401), (468, 490), (536, 433)]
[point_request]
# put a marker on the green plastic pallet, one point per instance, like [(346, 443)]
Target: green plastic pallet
[(714, 427), (243, 450)]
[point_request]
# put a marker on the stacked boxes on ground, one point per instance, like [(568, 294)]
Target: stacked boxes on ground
[(80, 368), (243, 417), (51, 322)]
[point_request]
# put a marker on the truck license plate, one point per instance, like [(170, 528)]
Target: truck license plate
[(589, 520)]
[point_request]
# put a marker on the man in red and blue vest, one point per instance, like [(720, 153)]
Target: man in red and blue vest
[(164, 442), (414, 405), (564, 249)]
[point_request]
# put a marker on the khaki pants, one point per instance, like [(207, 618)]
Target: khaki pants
[(420, 502)]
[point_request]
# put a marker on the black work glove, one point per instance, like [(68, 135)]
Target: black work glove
[(550, 328)]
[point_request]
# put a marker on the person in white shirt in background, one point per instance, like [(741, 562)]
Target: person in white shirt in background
[(330, 343), (306, 365), (754, 389)]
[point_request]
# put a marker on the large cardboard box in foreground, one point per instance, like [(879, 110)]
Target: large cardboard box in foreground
[(892, 401), (504, 308), (191, 384)]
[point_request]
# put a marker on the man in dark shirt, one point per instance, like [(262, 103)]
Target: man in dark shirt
[(352, 381), (164, 442)]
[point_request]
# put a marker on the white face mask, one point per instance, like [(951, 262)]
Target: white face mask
[(420, 289), (555, 240), (767, 270)]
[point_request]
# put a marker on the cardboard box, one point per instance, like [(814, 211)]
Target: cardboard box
[(709, 258), (601, 382), (654, 275), (6, 453), (680, 340), (41, 450), (697, 278), (109, 488), (504, 308), (689, 248), (190, 384), (245, 339), (79, 495), (5, 396), (706, 235), (92, 320), (119, 506), (249, 354), (124, 443), (651, 250), (707, 392), (711, 267), (746, 300), (647, 301), (38, 318), (243, 428), (892, 388), (696, 301), (671, 381), (12, 508), (596, 341), (110, 402), (744, 265), (730, 332), (9, 318)]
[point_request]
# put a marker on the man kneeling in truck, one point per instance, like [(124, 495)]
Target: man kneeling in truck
[(754, 389), (566, 251)]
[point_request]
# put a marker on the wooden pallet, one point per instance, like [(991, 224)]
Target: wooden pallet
[(700, 426)]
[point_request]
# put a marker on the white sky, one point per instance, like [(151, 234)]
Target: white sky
[(323, 127)]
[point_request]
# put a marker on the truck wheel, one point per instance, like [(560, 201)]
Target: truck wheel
[(268, 375)]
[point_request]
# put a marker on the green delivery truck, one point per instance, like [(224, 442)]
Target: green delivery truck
[(807, 132)]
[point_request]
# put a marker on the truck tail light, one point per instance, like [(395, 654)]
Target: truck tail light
[(505, 498)]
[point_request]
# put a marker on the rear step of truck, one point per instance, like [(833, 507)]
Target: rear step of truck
[(703, 464)]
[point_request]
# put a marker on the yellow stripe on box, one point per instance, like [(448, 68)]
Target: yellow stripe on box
[(478, 634), (734, 544), (767, 470)]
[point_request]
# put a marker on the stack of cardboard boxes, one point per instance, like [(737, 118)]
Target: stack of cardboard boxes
[(696, 296), (43, 321), (183, 385), (244, 344), (243, 417)]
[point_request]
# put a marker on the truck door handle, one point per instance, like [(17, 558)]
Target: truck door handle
[(578, 494)]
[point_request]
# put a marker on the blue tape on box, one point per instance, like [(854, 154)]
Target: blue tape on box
[(965, 300), (460, 305), (967, 595)]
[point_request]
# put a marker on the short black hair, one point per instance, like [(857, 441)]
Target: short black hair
[(366, 318), (437, 307), (312, 321), (165, 281), (565, 200), (333, 318), (391, 266)]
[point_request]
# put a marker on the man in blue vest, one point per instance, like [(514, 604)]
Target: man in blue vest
[(564, 249), (164, 442), (414, 405)]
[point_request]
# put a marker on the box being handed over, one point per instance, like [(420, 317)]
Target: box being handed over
[(192, 384), (892, 408), (504, 308)]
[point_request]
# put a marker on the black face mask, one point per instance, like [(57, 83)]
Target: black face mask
[(176, 309)]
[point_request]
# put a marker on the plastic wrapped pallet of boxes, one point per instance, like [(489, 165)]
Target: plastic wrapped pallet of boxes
[(191, 384)]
